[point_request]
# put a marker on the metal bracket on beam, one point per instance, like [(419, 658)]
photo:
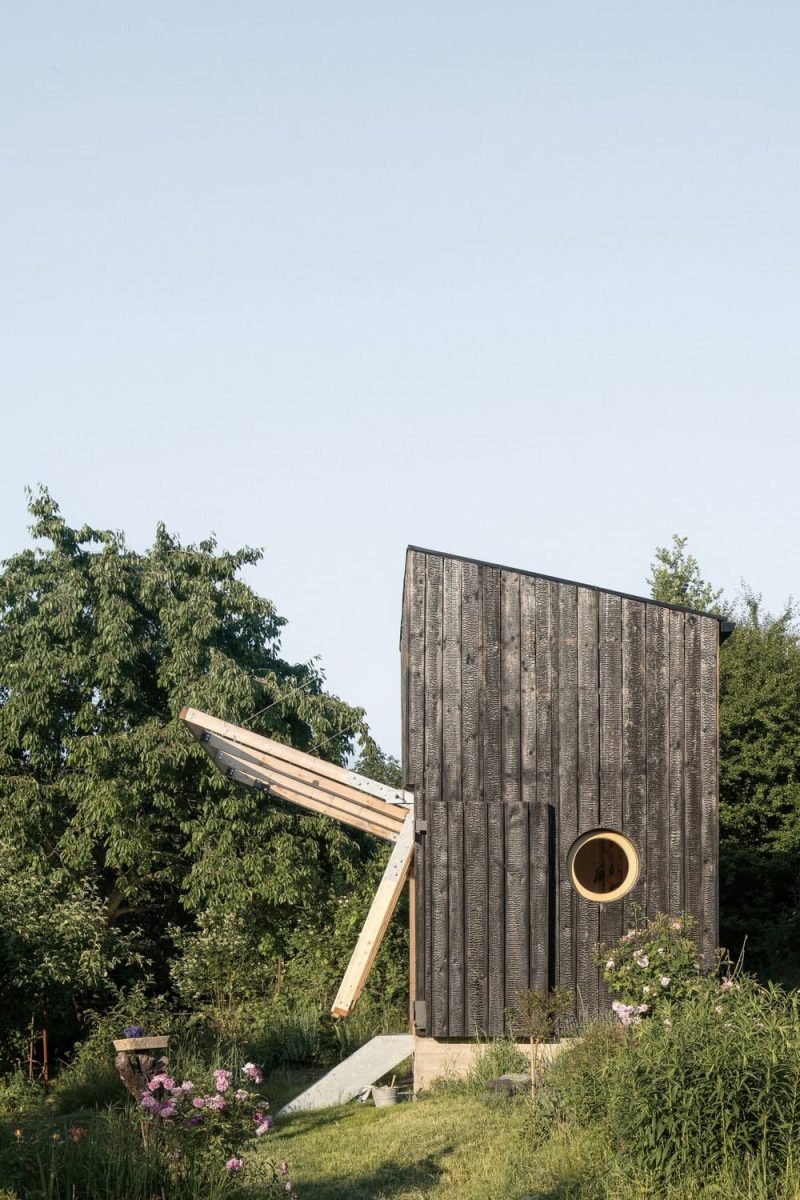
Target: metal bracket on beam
[(420, 825)]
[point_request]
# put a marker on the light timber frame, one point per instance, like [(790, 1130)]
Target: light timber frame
[(322, 787)]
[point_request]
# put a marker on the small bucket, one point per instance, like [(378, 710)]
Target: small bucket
[(384, 1096)]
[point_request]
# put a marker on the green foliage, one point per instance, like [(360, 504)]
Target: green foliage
[(718, 1085), (712, 1085), (19, 1095), (578, 1081), (105, 1155), (651, 963), (676, 579), (105, 798), (537, 1014), (760, 789), (377, 765), (54, 942)]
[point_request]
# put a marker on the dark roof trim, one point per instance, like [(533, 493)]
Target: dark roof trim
[(726, 627)]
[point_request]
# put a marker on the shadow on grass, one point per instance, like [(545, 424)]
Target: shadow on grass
[(387, 1181)]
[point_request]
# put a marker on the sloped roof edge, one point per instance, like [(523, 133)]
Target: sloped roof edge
[(726, 627)]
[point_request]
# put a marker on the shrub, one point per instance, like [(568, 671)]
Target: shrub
[(19, 1094), (712, 1084), (657, 959)]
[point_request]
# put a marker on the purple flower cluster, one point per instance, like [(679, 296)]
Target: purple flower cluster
[(132, 1031), (166, 1099)]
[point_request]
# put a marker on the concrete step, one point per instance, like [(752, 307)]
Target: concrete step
[(358, 1071)]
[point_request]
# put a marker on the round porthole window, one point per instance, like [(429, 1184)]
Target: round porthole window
[(603, 865)]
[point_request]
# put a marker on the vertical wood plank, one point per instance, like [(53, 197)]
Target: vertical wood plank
[(694, 779), (510, 682), (546, 776), (610, 670), (436, 812), (414, 749), (491, 724), (588, 766), (567, 813), (657, 657), (477, 917), (541, 867), (709, 707), (451, 792), (515, 822), (677, 686), (517, 914), (476, 1015), (546, 652), (471, 674), (634, 746), (491, 766), (527, 622), (495, 819)]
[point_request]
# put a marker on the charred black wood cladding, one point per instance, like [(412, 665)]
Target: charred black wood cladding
[(535, 710)]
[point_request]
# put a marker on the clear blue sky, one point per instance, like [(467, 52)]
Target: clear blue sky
[(515, 280)]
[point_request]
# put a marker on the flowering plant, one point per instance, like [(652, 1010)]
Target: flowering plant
[(655, 961), (203, 1126)]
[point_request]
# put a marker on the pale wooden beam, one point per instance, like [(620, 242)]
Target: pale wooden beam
[(300, 778), (327, 770), (306, 782), (254, 775), (381, 909)]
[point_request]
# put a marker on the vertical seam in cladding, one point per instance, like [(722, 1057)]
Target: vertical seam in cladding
[(427, 979), (442, 805), (599, 717), (460, 799), (646, 826), (686, 833)]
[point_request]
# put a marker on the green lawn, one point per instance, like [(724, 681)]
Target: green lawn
[(445, 1146)]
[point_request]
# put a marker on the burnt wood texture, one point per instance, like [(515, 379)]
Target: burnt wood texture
[(535, 710)]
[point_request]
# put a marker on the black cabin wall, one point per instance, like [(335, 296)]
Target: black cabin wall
[(533, 710)]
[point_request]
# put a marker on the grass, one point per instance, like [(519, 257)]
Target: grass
[(454, 1145), (450, 1145), (444, 1146)]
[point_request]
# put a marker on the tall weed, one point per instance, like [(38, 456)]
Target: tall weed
[(711, 1085)]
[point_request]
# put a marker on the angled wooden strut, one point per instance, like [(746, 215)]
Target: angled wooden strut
[(322, 787)]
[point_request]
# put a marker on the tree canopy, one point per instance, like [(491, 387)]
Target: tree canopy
[(103, 790)]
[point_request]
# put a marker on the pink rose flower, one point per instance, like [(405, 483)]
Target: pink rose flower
[(234, 1164)]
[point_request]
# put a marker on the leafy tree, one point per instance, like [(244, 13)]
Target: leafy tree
[(675, 579), (100, 647), (377, 765), (760, 789), (54, 941)]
